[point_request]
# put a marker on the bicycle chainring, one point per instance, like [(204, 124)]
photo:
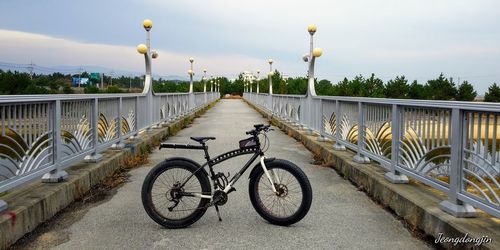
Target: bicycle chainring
[(220, 198)]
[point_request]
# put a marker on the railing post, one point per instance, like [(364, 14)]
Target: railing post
[(94, 156), (453, 205), (321, 123), (3, 205), (56, 175), (136, 115), (119, 144), (338, 120), (359, 157), (396, 124)]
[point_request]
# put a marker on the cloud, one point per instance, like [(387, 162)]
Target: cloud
[(23, 47)]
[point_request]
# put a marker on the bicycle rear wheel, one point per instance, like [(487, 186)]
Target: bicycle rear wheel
[(162, 194), (293, 198)]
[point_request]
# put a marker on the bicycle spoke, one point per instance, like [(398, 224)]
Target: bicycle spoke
[(283, 204)]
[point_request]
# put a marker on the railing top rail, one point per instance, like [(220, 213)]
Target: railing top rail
[(294, 96), (483, 106), (177, 93), (31, 98), (63, 97)]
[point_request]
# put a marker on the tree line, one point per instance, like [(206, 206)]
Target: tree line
[(441, 88)]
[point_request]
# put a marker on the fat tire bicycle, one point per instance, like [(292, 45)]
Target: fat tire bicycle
[(177, 192)]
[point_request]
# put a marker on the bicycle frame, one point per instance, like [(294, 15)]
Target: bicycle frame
[(211, 162)]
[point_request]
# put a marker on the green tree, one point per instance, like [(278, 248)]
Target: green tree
[(373, 87), (417, 91), (466, 92), (397, 88), (441, 88), (91, 89), (493, 94), (113, 89), (324, 87)]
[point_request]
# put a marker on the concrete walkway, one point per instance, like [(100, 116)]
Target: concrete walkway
[(340, 217)]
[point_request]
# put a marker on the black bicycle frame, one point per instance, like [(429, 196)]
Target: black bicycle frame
[(220, 158)]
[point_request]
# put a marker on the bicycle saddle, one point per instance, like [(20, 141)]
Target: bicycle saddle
[(202, 139)]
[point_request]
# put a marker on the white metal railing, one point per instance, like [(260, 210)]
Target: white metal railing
[(40, 134), (451, 146)]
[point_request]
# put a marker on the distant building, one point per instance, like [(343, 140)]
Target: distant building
[(80, 81)]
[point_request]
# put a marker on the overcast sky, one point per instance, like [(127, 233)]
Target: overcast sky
[(416, 38)]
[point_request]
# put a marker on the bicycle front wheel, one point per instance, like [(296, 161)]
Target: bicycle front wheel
[(163, 194), (293, 196)]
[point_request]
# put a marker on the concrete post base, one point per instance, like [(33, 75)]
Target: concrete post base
[(118, 146), (361, 159), (3, 205), (396, 178), (322, 138), (93, 158), (55, 176), (308, 131), (339, 147), (461, 211)]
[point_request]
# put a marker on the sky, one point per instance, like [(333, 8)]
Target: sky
[(416, 38)]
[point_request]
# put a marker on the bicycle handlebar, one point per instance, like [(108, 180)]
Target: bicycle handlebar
[(258, 129)]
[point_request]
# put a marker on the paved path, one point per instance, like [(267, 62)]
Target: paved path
[(340, 217)]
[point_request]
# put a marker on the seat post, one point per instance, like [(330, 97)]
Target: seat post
[(205, 149)]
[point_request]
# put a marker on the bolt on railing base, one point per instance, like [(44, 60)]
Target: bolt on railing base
[(93, 158), (339, 147), (55, 176), (157, 126), (461, 211), (3, 205), (118, 146), (396, 178), (361, 159)]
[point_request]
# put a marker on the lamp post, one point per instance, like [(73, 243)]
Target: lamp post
[(191, 100), (211, 83), (258, 72), (270, 91), (204, 79), (191, 74), (145, 49), (270, 76)]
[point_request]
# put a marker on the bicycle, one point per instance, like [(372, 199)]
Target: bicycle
[(177, 192)]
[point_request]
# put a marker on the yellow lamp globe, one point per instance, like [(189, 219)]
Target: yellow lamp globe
[(142, 48), (190, 72), (317, 52), (270, 61), (270, 73), (191, 59), (311, 28), (148, 24)]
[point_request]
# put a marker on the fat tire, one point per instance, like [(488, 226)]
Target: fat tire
[(148, 185), (304, 184)]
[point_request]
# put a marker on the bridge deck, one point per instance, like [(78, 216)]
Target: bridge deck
[(340, 216)]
